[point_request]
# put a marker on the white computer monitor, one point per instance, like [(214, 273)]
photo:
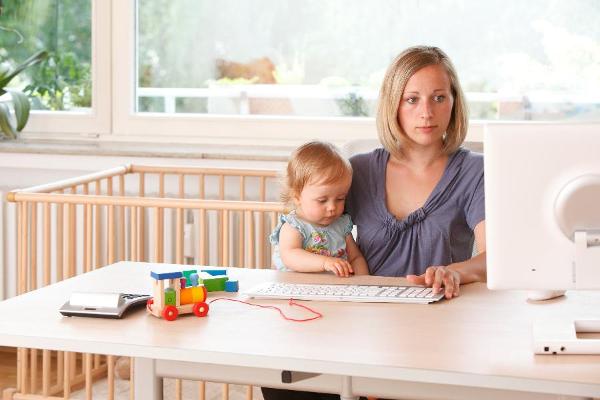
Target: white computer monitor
[(542, 195), (542, 202)]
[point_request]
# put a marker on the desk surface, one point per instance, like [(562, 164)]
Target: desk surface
[(481, 336)]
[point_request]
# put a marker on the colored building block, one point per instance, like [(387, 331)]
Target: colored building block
[(165, 275), (194, 279), (187, 274), (170, 297), (213, 283), (214, 271), (232, 285)]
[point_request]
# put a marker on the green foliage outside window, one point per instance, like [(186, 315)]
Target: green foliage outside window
[(63, 28)]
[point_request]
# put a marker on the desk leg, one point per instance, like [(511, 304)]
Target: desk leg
[(147, 386), (347, 393)]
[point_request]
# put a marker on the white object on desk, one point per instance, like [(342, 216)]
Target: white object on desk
[(101, 305), (341, 292)]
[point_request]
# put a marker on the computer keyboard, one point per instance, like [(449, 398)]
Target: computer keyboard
[(343, 292)]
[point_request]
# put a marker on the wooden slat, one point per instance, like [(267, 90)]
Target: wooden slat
[(72, 238), (67, 375), (47, 243), (110, 225), (251, 259), (34, 370), (87, 238), (60, 265), (201, 390), (87, 360), (23, 234), (225, 391), (142, 219), (110, 361), (33, 278), (161, 217), (97, 231), (180, 223), (178, 389), (225, 239), (87, 230), (121, 238), (241, 250), (133, 234), (46, 370), (202, 225)]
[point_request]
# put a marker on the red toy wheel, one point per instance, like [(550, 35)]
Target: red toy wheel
[(170, 313), (149, 304), (200, 309)]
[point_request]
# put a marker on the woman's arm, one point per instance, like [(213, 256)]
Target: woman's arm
[(451, 276), (474, 269), (355, 257), (300, 260)]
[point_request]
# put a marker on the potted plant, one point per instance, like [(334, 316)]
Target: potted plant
[(20, 101)]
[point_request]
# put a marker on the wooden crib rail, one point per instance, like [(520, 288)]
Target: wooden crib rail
[(136, 213)]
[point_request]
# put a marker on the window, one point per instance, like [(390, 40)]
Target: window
[(534, 60), (289, 70), (64, 96)]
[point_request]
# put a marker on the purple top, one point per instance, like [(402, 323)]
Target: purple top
[(439, 233)]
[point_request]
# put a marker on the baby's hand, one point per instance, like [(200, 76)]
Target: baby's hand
[(338, 266)]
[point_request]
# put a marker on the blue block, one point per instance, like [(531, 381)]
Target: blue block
[(214, 271), (194, 279), (232, 286), (165, 275)]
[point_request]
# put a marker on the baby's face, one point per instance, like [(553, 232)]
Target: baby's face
[(322, 203)]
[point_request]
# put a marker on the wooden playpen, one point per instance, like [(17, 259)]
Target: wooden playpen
[(183, 215)]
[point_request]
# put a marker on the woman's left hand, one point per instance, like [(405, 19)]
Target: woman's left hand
[(436, 277)]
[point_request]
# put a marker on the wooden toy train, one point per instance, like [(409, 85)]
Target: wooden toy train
[(184, 292)]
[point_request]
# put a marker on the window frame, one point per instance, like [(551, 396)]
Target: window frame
[(96, 122)]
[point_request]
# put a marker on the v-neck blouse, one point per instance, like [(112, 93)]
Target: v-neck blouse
[(438, 233)]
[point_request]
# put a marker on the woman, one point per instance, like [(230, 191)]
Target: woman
[(418, 202)]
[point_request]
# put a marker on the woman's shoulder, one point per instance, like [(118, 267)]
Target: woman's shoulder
[(364, 160), (466, 159)]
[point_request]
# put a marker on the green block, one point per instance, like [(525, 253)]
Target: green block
[(170, 298), (215, 283)]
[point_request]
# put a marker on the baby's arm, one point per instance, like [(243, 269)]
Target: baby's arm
[(355, 257), (300, 260)]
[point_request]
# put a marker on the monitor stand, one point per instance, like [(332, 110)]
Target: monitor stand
[(541, 295), (561, 336)]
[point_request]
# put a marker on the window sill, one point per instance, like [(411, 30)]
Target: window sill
[(152, 150)]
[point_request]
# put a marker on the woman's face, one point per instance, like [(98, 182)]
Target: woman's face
[(426, 106)]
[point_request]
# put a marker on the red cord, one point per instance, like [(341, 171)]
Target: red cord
[(291, 303)]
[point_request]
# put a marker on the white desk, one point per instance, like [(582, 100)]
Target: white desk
[(476, 346)]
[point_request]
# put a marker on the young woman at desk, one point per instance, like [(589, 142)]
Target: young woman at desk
[(418, 202)]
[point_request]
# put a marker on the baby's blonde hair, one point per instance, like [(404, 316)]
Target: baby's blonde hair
[(313, 162)]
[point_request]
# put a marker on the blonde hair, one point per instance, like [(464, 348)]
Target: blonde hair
[(404, 66), (313, 162)]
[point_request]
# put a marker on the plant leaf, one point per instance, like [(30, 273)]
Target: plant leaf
[(6, 124), (22, 107), (34, 59)]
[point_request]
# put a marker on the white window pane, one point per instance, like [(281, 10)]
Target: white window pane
[(518, 60), (61, 27)]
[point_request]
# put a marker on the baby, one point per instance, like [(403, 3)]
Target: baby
[(317, 235)]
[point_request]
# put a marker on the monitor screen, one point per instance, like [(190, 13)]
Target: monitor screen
[(542, 193)]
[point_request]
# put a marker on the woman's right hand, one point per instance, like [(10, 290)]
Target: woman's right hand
[(338, 266)]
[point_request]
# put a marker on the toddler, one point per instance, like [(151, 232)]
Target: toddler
[(317, 235)]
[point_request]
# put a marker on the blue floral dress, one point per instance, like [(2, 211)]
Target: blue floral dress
[(327, 240)]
